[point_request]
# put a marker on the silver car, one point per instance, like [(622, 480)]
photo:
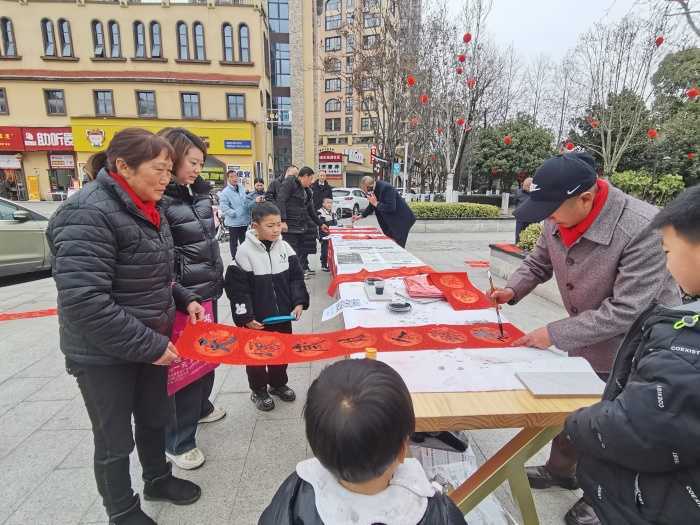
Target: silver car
[(23, 244)]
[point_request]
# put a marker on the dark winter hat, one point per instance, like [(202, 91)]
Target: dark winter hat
[(560, 178)]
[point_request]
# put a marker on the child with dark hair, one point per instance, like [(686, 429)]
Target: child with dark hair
[(359, 417), (325, 213), (639, 459), (266, 280)]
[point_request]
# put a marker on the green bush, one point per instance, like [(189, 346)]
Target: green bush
[(529, 236), (641, 184), (432, 210)]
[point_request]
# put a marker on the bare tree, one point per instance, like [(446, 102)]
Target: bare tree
[(538, 78)]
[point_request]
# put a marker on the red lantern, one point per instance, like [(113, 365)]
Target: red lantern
[(471, 83), (424, 99), (460, 70), (462, 58), (414, 122), (411, 80), (594, 123), (691, 155), (507, 140), (659, 40), (467, 38), (652, 133), (433, 157), (569, 146), (494, 172), (460, 121), (440, 131), (693, 92)]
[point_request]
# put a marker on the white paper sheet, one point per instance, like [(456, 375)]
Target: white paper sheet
[(342, 305)]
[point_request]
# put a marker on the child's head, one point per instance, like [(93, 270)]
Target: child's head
[(328, 203), (267, 222), (679, 223), (359, 417)]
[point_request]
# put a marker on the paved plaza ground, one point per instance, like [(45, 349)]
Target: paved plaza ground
[(46, 443)]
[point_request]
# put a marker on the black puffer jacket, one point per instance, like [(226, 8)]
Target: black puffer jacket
[(308, 240), (198, 265), (296, 206), (639, 448), (321, 191), (114, 274)]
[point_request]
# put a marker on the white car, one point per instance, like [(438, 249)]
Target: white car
[(349, 201)]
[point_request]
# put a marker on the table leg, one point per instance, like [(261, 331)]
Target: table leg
[(507, 464)]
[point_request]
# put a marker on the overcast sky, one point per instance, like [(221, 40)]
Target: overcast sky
[(547, 26)]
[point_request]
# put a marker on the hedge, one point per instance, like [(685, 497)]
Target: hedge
[(436, 210), (656, 190), (481, 199), (529, 236)]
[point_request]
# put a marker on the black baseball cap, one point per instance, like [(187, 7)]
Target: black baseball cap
[(560, 178)]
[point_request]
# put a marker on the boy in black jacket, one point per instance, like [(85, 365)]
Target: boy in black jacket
[(266, 280), (638, 449), (359, 418), (325, 213)]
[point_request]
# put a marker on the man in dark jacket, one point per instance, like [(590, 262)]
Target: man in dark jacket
[(321, 189), (393, 214), (639, 459), (274, 187), (522, 195)]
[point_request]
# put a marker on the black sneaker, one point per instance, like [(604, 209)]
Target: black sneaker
[(325, 268), (284, 393), (174, 490), (311, 271), (133, 516), (262, 400)]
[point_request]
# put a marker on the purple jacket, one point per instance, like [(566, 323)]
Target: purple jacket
[(606, 279)]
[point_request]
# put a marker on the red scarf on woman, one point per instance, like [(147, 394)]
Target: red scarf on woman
[(570, 235), (149, 210)]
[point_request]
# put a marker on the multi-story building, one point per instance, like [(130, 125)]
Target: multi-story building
[(73, 73)]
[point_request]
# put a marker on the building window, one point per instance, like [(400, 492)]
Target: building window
[(333, 85), (349, 5), (183, 45), (139, 40), (49, 38), (332, 105), (333, 43), (368, 123), (333, 22), (104, 103), (190, 105), (64, 37), (348, 105), (349, 65), (333, 65), (281, 74), (55, 101), (227, 40), (235, 105), (348, 124), (283, 107), (333, 124), (115, 40), (370, 4), (98, 39), (266, 53), (370, 41), (369, 104), (9, 45), (146, 104), (244, 43), (279, 15), (333, 5), (367, 84), (348, 88), (372, 20), (198, 38), (351, 43), (156, 41), (4, 106)]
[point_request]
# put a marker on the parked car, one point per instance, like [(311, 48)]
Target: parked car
[(24, 245), (349, 201)]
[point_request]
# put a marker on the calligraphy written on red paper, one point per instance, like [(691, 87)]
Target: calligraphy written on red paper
[(459, 291)]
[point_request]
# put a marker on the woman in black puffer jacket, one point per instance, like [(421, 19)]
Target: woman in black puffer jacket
[(198, 268)]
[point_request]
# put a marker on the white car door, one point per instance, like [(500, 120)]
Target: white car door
[(361, 199)]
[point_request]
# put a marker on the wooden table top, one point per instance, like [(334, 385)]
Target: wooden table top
[(498, 409)]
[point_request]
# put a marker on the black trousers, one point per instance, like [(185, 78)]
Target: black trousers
[(324, 253), (259, 377), (112, 395), (236, 236)]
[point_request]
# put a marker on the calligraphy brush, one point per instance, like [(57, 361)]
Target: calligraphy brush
[(498, 307)]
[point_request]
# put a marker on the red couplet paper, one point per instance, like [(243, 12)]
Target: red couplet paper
[(217, 343), (405, 271), (418, 287), (187, 371), (459, 291)]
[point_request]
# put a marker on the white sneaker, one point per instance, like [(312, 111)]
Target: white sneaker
[(190, 460), (214, 415)]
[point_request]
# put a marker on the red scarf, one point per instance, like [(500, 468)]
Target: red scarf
[(570, 235), (149, 210)]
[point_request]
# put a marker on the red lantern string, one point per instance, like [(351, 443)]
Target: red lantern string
[(460, 121), (414, 122), (691, 155), (424, 99), (467, 38), (462, 58), (594, 123), (569, 146), (659, 40), (440, 130), (692, 93), (471, 83), (507, 140), (460, 70), (652, 133), (411, 80)]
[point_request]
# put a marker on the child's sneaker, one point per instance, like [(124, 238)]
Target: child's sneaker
[(262, 400), (325, 268), (284, 393)]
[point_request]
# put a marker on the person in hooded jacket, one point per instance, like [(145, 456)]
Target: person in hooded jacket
[(235, 205), (637, 449), (321, 190), (359, 418), (273, 189), (199, 268)]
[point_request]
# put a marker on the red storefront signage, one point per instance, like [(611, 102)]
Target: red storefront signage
[(47, 139), (330, 156), (11, 139)]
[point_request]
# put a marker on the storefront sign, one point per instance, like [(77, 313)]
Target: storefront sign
[(61, 162), (332, 169), (10, 162), (330, 156), (237, 144), (355, 156), (243, 172), (48, 139), (11, 139)]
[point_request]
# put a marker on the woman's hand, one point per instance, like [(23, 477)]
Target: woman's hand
[(169, 356), (196, 312), (254, 325), (324, 228), (297, 311)]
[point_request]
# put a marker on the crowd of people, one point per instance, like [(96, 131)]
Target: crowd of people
[(135, 251)]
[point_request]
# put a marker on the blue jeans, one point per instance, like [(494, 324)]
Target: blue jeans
[(187, 406)]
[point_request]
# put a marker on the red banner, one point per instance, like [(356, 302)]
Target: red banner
[(11, 139), (459, 291), (217, 343), (378, 274), (48, 139)]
